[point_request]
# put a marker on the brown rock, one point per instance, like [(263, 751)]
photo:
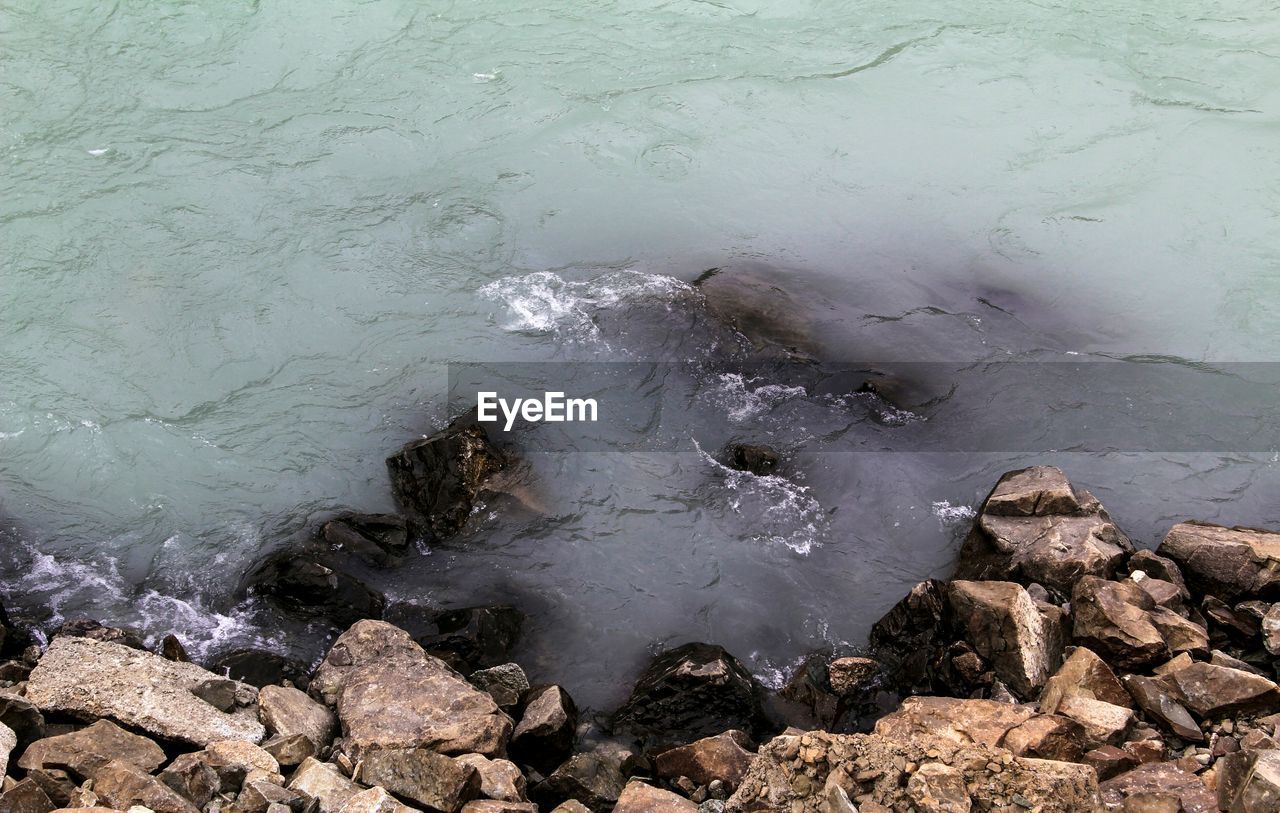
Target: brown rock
[(1103, 723), (324, 783), (1249, 782), (1114, 620), (391, 694), (1226, 562), (850, 676), (1271, 629), (290, 751), (1209, 690), (589, 778), (1085, 674), (638, 797), (1109, 761), (725, 757), (1047, 736), (1004, 626), (25, 797), (500, 779), (494, 806), (1035, 527), (122, 785), (374, 800), (939, 788), (1158, 784), (88, 749), (544, 736), (285, 711), (1179, 634), (420, 775), (1154, 698)]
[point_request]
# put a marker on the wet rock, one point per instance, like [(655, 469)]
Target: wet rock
[(25, 797), (1212, 691), (852, 676), (500, 779), (301, 583), (88, 749), (506, 683), (374, 800), (1147, 787), (759, 460), (1036, 527), (122, 785), (725, 757), (95, 630), (172, 649), (544, 736), (1004, 626), (258, 667), (389, 693), (1114, 620), (286, 712), (377, 539), (1229, 563), (419, 775), (692, 691), (91, 678), (324, 783), (1158, 703), (472, 638), (797, 773), (436, 480), (909, 638), (591, 779), (639, 797), (1249, 782), (810, 687), (291, 750)]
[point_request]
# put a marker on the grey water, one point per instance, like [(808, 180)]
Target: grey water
[(242, 242)]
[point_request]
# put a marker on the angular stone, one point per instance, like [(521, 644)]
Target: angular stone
[(391, 694), (1157, 783), (419, 775), (324, 783), (1035, 527), (22, 717), (851, 676), (58, 786), (1179, 634), (544, 736), (122, 785), (291, 750), (907, 639), (1271, 630), (1155, 699), (305, 584), (1114, 620), (1083, 673), (692, 691), (954, 720), (1226, 562), (194, 779), (82, 676), (1212, 691), (377, 539), (285, 711), (1048, 736), (494, 806), (1249, 782), (470, 638), (374, 800), (88, 749), (500, 779), (1003, 625), (506, 683), (639, 797), (25, 797), (725, 757), (591, 779), (258, 667), (95, 630), (437, 479), (259, 794), (1159, 567), (1109, 761), (939, 788), (1104, 723)]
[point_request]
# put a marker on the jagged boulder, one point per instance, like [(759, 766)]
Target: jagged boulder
[(1249, 781), (1114, 619), (389, 693), (122, 785), (303, 583), (1212, 691), (500, 779), (1086, 690), (544, 736), (324, 783), (639, 797), (1229, 563), (692, 691), (506, 683), (1003, 625), (95, 679), (1158, 786), (424, 777), (86, 750), (1036, 527), (989, 723), (377, 539), (285, 711), (589, 779), (437, 479), (725, 757), (1159, 704)]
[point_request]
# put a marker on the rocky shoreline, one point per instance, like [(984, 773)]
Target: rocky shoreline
[(1060, 670)]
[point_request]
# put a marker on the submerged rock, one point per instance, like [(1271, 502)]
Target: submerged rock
[(436, 480), (695, 690), (759, 460), (301, 583), (1229, 563), (1036, 527), (472, 638), (258, 667), (377, 539), (91, 678), (389, 693)]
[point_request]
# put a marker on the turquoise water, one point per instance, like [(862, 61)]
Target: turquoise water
[(240, 242)]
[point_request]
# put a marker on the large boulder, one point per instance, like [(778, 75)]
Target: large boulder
[(26, 796), (837, 773), (389, 693), (437, 479), (377, 539), (695, 690), (122, 785), (989, 723), (1158, 786), (302, 583), (285, 711), (1211, 691), (86, 750), (420, 776), (1003, 625), (93, 679), (1226, 562), (470, 638), (544, 736), (725, 757), (1036, 527), (591, 779), (1114, 619)]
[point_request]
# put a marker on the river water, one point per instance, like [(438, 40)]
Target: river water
[(242, 241)]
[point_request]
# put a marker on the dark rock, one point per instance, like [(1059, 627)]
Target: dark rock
[(193, 779), (1249, 782), (1162, 783), (172, 649), (725, 757), (1159, 567), (1230, 563), (87, 750), (1240, 626), (692, 691), (810, 687), (1159, 704), (909, 638), (1036, 527), (587, 778), (377, 539), (22, 717), (544, 736), (1109, 761), (436, 480), (420, 776), (473, 637), (217, 692), (759, 460), (506, 683), (301, 583), (88, 628), (257, 667), (25, 797)]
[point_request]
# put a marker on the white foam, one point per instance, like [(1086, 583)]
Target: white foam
[(953, 514), (783, 512), (744, 398)]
